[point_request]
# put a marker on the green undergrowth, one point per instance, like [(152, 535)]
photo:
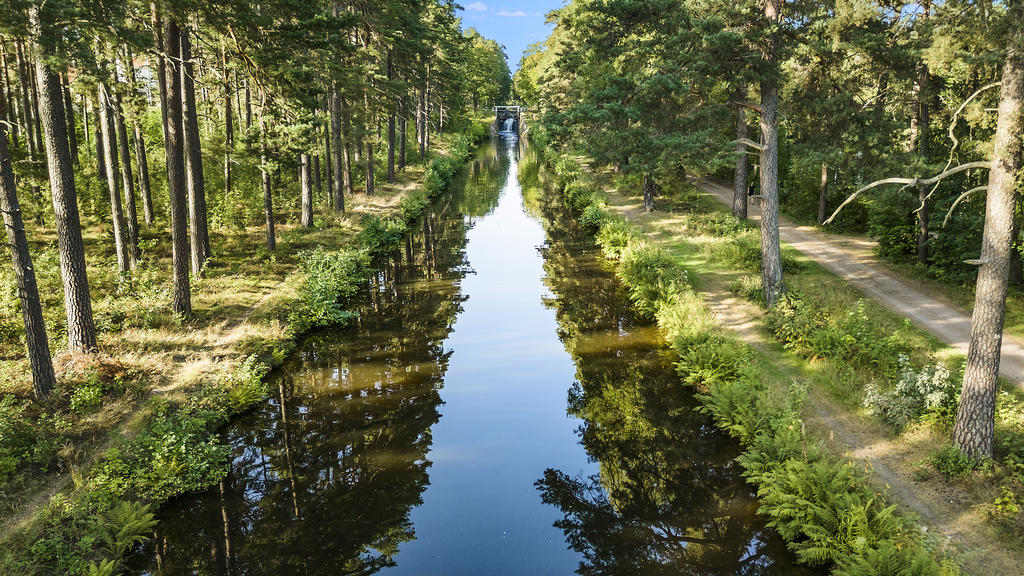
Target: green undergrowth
[(172, 445), (824, 507)]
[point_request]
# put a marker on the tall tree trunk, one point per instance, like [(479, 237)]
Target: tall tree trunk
[(346, 153), (97, 131), (229, 130), (127, 184), (370, 181), (391, 127), (975, 417), (248, 106), (426, 114), (339, 165), (37, 126), (25, 91), (198, 225), (771, 256), (9, 99), (109, 139), (174, 143), (69, 107), (421, 128), (306, 182), (922, 144), (919, 122), (823, 194), (268, 198), (43, 379), (317, 182), (140, 157), (402, 129), (80, 327), (648, 191), (740, 172)]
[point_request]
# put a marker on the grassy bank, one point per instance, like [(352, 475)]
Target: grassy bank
[(824, 343), (82, 473)]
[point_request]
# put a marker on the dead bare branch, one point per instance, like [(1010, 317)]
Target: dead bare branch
[(960, 199), (912, 182)]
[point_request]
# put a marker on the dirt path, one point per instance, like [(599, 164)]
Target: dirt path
[(853, 260), (948, 511)]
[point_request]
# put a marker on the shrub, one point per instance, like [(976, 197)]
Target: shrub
[(916, 393), (176, 452), (615, 235), (593, 217), (22, 441), (412, 205), (332, 280), (651, 277), (381, 236), (951, 462)]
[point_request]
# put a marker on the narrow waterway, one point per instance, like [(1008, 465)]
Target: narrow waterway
[(498, 410)]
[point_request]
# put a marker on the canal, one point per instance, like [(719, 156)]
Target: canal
[(497, 410)]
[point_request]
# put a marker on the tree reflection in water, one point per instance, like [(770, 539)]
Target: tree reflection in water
[(669, 498)]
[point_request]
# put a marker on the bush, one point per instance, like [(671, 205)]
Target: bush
[(651, 276), (594, 216), (412, 205), (381, 236), (810, 330), (23, 442), (332, 280), (615, 235), (176, 452), (916, 393)]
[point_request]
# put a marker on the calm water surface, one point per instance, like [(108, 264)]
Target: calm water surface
[(498, 410)]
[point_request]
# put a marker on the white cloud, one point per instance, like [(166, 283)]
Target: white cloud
[(507, 14), (477, 7)]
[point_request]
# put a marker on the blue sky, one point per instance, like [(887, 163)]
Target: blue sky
[(514, 24)]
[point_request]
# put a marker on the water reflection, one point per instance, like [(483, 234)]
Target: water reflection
[(669, 498)]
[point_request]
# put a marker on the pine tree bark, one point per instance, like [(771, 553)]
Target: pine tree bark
[(391, 127), (370, 180), (25, 91), (77, 305), (771, 256), (140, 157), (43, 379), (131, 215), (111, 166), (306, 184), (36, 126), (975, 418), (174, 143), (268, 198), (346, 152), (10, 100), (97, 133), (823, 194), (339, 165), (198, 225), (402, 129), (229, 130), (740, 172), (69, 108), (139, 142), (421, 121), (648, 191), (317, 182)]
